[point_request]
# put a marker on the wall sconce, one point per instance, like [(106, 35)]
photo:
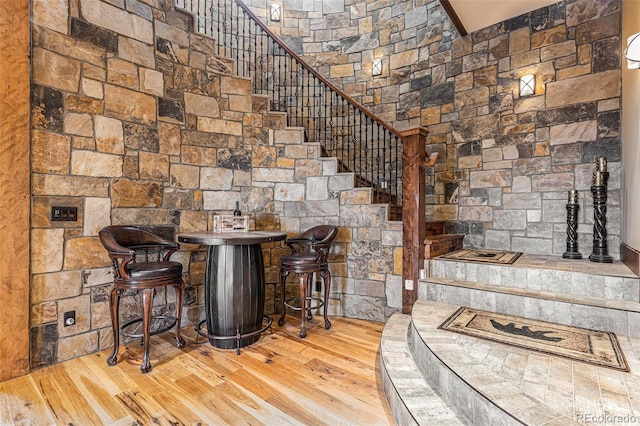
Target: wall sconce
[(275, 12), (376, 67), (527, 85), (632, 52)]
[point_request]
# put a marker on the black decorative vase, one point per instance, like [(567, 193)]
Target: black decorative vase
[(600, 252), (572, 227)]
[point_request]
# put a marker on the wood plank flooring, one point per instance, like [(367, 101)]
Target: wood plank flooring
[(331, 377)]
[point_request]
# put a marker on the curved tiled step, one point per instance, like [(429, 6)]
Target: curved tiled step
[(494, 383), (618, 316), (411, 399)]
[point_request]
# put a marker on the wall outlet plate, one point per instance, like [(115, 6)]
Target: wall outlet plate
[(408, 284), (64, 214), (69, 318)]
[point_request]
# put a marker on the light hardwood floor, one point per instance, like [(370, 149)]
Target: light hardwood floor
[(330, 377)]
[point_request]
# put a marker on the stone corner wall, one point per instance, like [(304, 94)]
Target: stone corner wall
[(134, 121), (507, 161)]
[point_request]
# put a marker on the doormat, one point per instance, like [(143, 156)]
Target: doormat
[(578, 344), (484, 256)]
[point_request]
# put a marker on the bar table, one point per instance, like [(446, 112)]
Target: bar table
[(234, 287)]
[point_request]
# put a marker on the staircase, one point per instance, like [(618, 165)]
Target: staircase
[(432, 376), (363, 143)]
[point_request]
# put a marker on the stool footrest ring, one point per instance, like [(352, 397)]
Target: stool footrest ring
[(159, 324), (237, 337), (299, 308)]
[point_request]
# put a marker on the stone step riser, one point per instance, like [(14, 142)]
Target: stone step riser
[(566, 312), (565, 282), (411, 399), (453, 390)]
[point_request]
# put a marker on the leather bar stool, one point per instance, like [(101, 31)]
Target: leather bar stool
[(141, 263), (309, 255)]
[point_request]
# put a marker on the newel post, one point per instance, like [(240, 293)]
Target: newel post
[(413, 220)]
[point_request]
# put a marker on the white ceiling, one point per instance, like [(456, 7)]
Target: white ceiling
[(478, 14)]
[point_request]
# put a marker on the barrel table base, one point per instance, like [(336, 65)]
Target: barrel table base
[(234, 295)]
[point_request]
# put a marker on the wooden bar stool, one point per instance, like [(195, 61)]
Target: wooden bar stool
[(309, 255), (140, 262)]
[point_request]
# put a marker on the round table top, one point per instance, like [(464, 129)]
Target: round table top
[(231, 238)]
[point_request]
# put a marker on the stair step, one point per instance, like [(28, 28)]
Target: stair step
[(495, 383), (411, 399), (618, 316), (434, 227), (437, 245), (547, 274)]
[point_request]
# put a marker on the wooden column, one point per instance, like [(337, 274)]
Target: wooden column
[(413, 220), (14, 188)]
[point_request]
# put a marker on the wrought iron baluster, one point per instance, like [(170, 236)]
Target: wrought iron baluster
[(273, 75), (261, 63), (298, 93), (320, 118), (342, 135), (243, 37), (359, 138), (375, 159), (331, 121), (311, 112), (237, 38), (285, 102)]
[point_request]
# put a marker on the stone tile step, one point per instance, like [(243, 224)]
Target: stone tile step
[(437, 245), (497, 384), (618, 316), (547, 273), (411, 399)]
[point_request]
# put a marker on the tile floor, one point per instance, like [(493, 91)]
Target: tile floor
[(535, 388)]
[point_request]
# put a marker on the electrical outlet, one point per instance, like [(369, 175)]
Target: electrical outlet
[(64, 214), (408, 284), (69, 318)]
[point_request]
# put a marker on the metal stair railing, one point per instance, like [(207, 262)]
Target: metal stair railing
[(363, 144)]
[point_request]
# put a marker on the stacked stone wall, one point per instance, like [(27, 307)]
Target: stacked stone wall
[(135, 122), (506, 162)]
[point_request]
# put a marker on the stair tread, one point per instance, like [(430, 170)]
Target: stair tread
[(437, 245), (423, 405), (443, 237), (532, 387), (557, 263), (600, 302), (547, 274)]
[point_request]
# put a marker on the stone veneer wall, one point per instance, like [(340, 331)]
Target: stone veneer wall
[(506, 162), (134, 122)]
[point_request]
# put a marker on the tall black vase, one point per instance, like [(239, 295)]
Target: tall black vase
[(600, 252), (572, 232)]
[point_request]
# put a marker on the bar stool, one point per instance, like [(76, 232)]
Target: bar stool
[(140, 262), (309, 253)]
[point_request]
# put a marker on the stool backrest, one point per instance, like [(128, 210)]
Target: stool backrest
[(319, 238), (127, 244)]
